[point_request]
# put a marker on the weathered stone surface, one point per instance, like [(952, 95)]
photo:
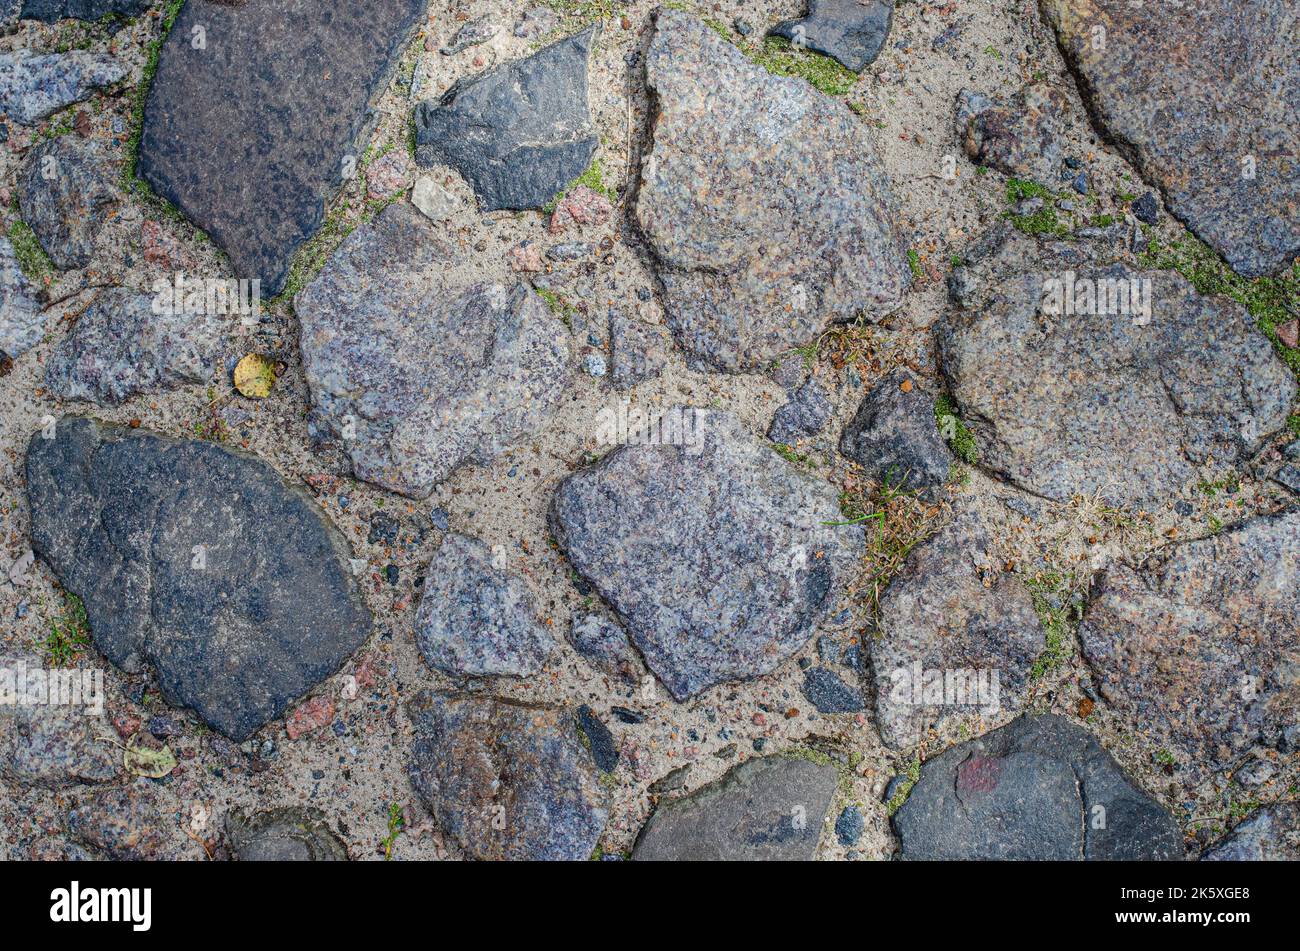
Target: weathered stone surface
[(828, 693), (301, 115), (768, 809), (605, 646), (45, 740), (1270, 834), (418, 377), (35, 86), (1020, 138), (1200, 648), (1203, 100), (1039, 788), (477, 620), (639, 350), (712, 549), (895, 438), (120, 347), (283, 835), (506, 780), (808, 410), (1121, 403), (601, 743), (51, 10), (955, 635), (124, 823), (763, 201), (476, 31), (518, 133), (166, 542), (65, 195), (851, 31), (22, 325)]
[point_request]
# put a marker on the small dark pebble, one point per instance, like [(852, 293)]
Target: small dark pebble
[(626, 715), (1146, 209), (849, 826), (603, 748)]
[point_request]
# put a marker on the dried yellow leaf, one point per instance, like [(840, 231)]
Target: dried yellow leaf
[(255, 376)]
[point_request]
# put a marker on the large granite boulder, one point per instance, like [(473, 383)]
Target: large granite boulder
[(417, 375), (713, 550), (198, 562), (769, 809), (1081, 376), (1040, 788), (1199, 648), (956, 634), (507, 781), (518, 133), (763, 201), (1202, 98), (251, 133)]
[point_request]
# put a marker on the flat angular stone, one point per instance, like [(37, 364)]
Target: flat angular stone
[(45, 741), (1021, 138), (955, 635), (251, 135), (712, 549), (1203, 99), (120, 347), (853, 32), (50, 11), (763, 201), (199, 562), (808, 410), (65, 195), (417, 376), (895, 438), (518, 133), (125, 824), (768, 809), (1120, 402), (1270, 834), (476, 620), (508, 781), (33, 86), (1200, 648), (22, 325), (1040, 788), (283, 835)]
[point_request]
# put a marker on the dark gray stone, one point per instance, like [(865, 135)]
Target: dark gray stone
[(956, 635), (1199, 645), (1146, 209), (65, 195), (1122, 401), (1021, 138), (851, 31), (1225, 157), (751, 268), (475, 619), (713, 550), (829, 694), (1270, 834), (199, 562), (417, 376), (252, 135), (1288, 477), (518, 133), (803, 416), (33, 86), (1037, 789), (51, 10), (283, 835), (508, 781), (767, 809), (849, 826), (120, 347), (22, 325), (895, 438), (604, 751)]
